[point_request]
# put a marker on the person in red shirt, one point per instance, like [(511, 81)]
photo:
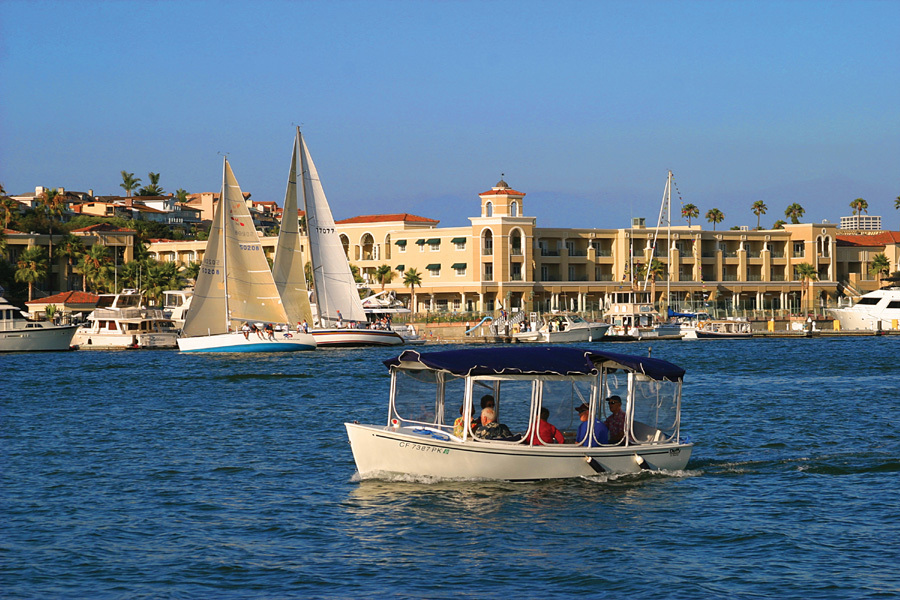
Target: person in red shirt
[(546, 433)]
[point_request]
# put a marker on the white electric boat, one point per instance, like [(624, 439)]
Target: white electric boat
[(879, 309), (429, 390)]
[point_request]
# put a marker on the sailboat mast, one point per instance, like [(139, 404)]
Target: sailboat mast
[(224, 245), (668, 239)]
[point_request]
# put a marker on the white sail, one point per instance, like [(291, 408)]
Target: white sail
[(234, 282), (334, 285), (288, 269)]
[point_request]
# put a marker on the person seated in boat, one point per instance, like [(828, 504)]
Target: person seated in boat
[(601, 433), (615, 422), (270, 331), (487, 401), (245, 329), (460, 423), (546, 433), (490, 429)]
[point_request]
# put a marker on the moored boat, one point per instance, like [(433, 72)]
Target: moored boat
[(561, 328), (20, 334), (121, 321), (422, 437), (720, 329), (877, 310)]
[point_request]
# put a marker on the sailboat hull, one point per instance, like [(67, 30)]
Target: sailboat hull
[(345, 338), (236, 342)]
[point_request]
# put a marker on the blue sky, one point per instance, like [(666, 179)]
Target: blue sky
[(419, 106)]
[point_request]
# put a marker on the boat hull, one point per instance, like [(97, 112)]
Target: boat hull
[(237, 342), (380, 451), (346, 338), (87, 340), (45, 338), (715, 335), (591, 333)]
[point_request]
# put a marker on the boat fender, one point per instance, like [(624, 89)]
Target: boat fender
[(594, 464), (641, 462)]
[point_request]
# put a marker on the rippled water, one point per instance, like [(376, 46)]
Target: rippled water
[(155, 474)]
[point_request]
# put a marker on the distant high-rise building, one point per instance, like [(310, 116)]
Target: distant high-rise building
[(861, 222)]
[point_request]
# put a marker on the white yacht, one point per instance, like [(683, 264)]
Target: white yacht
[(876, 310), (119, 321), (631, 315), (20, 334), (176, 304)]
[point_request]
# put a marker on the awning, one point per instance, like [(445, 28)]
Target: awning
[(420, 242), (533, 361), (434, 267), (434, 242), (400, 242), (400, 267), (459, 240), (458, 266)]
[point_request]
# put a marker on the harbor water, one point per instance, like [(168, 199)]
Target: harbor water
[(154, 474)]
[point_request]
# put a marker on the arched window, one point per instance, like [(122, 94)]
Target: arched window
[(368, 247), (487, 243), (514, 209), (345, 242), (489, 209), (515, 242), (387, 247)]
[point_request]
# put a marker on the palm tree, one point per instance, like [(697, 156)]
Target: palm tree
[(881, 265), (8, 206), (807, 273), (689, 211), (161, 276), (384, 275), (859, 207), (182, 195), (412, 278), (897, 203), (759, 208), (129, 182), (154, 189), (33, 266), (779, 224), (714, 215), (794, 212), (96, 266), (53, 205), (71, 248), (191, 270)]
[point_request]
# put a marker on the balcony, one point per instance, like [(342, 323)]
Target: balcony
[(516, 252), (777, 253), (603, 253), (605, 277), (577, 252), (730, 254), (487, 250), (548, 252)]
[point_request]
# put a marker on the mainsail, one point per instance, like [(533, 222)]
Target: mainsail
[(234, 282), (334, 285), (288, 269)]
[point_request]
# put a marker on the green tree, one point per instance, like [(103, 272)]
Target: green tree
[(714, 215), (129, 182), (779, 224), (897, 203), (95, 266), (881, 265), (689, 211), (859, 206), (411, 279), (191, 270), (794, 212), (759, 208), (182, 195), (33, 266), (161, 276), (154, 189), (384, 275), (807, 274), (53, 206), (8, 206), (70, 248)]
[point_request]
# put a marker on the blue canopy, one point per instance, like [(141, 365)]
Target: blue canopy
[(559, 360)]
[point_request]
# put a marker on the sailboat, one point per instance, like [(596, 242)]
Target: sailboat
[(235, 285), (341, 317)]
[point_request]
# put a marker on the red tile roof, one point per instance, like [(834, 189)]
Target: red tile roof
[(882, 238), (68, 298), (502, 192), (102, 227), (405, 217)]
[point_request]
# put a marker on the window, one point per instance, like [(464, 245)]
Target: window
[(434, 270), (516, 272), (460, 268), (799, 249), (488, 271), (514, 209), (434, 244), (459, 243), (489, 209)]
